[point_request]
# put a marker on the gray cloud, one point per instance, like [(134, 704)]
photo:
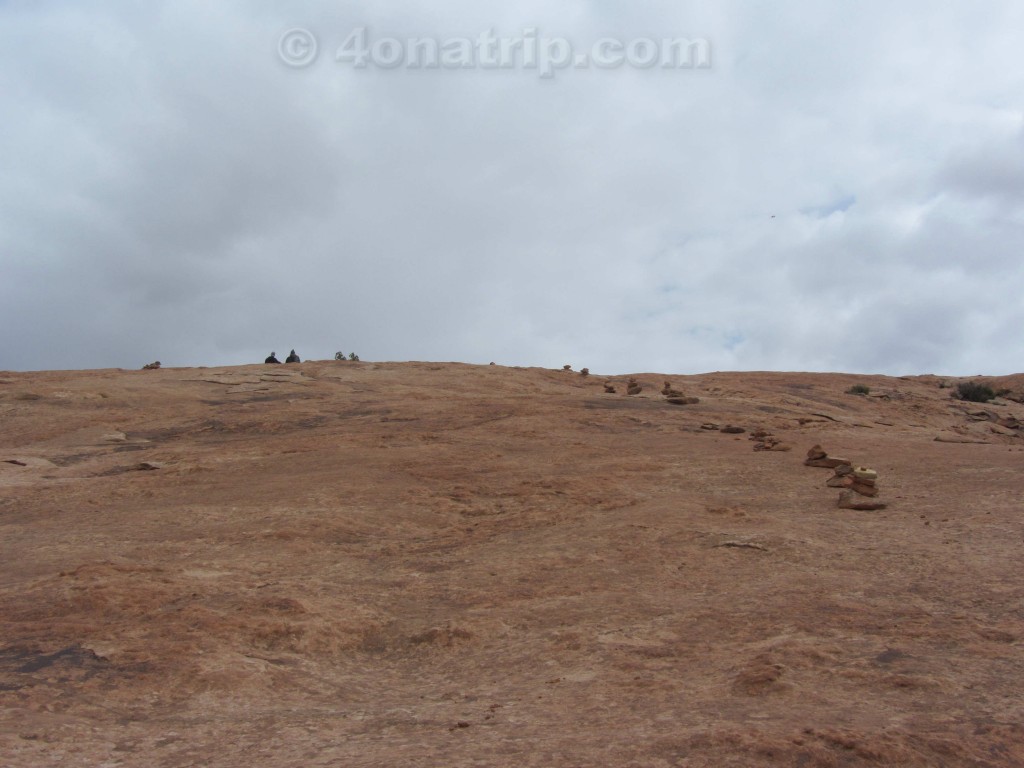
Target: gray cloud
[(171, 190)]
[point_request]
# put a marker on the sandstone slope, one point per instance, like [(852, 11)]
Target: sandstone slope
[(415, 564)]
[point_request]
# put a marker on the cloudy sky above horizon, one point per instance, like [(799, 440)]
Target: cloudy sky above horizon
[(841, 189)]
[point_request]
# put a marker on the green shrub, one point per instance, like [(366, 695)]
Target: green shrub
[(859, 389), (339, 355), (974, 392), (353, 356)]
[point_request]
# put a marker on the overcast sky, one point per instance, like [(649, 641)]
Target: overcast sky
[(841, 188)]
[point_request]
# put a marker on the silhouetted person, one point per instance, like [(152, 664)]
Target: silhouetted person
[(272, 358), (292, 358)]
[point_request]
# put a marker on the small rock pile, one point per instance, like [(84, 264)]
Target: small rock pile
[(766, 441), (676, 397), (859, 479), (633, 387), (151, 366), (858, 483), (817, 457), (609, 388), (728, 429)]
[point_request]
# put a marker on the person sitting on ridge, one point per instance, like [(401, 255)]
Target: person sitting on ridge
[(292, 358), (272, 358)]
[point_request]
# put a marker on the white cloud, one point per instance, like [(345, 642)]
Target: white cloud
[(172, 191)]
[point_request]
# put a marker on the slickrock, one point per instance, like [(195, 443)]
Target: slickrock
[(30, 461), (953, 437), (982, 416), (420, 563), (1006, 422)]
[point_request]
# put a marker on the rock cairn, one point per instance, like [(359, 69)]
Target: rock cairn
[(766, 441), (728, 429), (676, 397), (858, 484), (584, 372), (151, 366), (817, 457), (609, 388), (633, 387)]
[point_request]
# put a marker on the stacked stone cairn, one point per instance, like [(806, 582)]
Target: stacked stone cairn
[(676, 397), (858, 484), (766, 441), (633, 387)]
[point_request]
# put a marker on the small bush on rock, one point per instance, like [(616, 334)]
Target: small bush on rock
[(974, 392)]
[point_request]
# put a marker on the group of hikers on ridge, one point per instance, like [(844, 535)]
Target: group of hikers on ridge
[(292, 358)]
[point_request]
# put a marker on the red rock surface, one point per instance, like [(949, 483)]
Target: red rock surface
[(411, 564)]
